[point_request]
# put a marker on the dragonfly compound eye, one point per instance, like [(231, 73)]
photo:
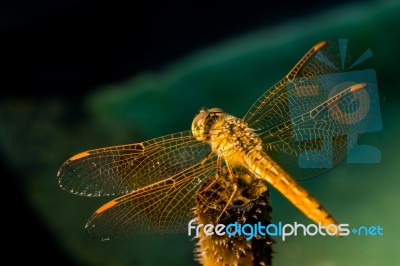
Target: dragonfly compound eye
[(215, 110), (199, 124), (204, 121)]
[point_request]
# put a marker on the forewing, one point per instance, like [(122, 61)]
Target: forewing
[(272, 107), (311, 118), (121, 169)]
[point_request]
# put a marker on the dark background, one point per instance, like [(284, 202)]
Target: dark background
[(66, 49)]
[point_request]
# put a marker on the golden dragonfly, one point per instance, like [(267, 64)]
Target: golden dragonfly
[(156, 181)]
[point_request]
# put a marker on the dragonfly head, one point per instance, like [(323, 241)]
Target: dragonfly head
[(203, 121)]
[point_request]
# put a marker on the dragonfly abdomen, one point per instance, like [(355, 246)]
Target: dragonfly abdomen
[(266, 169)]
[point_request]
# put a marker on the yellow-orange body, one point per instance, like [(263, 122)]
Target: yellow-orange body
[(237, 144)]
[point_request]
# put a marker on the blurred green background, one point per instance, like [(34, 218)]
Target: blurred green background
[(38, 134)]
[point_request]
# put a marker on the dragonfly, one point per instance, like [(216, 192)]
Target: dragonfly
[(154, 183)]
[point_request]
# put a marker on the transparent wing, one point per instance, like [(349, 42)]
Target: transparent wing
[(122, 169), (165, 206), (311, 118), (272, 108)]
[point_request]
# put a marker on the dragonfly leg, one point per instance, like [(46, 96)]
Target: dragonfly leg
[(206, 157), (234, 185)]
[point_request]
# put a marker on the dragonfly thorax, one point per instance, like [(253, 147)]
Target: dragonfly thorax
[(227, 134)]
